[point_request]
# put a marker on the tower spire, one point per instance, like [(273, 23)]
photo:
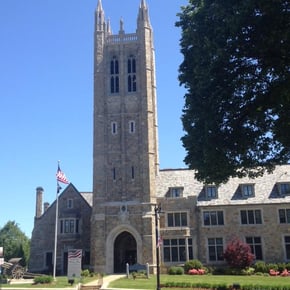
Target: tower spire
[(100, 16), (143, 16)]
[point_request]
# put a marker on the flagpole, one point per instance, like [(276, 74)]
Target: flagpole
[(60, 177), (55, 231)]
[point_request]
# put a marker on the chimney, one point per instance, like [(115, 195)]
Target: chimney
[(39, 197)]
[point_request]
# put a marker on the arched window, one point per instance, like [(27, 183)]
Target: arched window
[(131, 70), (114, 72)]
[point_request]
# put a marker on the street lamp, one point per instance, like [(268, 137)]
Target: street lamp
[(157, 211)]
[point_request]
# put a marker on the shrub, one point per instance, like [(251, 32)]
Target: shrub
[(175, 271), (261, 266), (248, 271), (43, 280), (85, 273), (272, 266), (281, 267), (192, 264), (238, 254)]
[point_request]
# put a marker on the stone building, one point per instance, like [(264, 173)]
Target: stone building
[(115, 224), (74, 217)]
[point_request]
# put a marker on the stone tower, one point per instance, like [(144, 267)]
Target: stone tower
[(125, 151)]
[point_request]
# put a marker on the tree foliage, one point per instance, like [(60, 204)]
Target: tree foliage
[(238, 254), (15, 243), (236, 70)]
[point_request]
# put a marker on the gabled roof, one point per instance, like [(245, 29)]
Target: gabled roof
[(86, 196)]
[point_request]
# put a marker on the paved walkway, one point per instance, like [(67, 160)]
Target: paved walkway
[(110, 278), (106, 281)]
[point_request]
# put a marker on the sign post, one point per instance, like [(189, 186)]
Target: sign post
[(74, 265)]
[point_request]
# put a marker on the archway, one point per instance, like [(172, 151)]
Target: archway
[(125, 251)]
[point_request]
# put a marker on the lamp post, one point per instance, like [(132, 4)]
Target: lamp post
[(157, 210)]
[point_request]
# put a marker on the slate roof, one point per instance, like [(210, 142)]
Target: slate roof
[(265, 187), (88, 196)]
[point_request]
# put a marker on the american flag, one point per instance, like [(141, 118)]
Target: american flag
[(159, 242), (74, 254), (60, 176)]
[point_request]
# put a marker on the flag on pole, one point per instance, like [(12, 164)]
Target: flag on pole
[(59, 188), (60, 176), (159, 242)]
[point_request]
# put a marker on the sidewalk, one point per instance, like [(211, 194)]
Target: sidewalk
[(110, 278), (106, 281)]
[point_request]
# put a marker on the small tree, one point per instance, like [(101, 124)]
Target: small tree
[(238, 254), (15, 243)]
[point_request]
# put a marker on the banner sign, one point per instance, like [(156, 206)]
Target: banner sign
[(74, 265), (1, 252)]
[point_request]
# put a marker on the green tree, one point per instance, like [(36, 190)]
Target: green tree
[(15, 243), (236, 70)]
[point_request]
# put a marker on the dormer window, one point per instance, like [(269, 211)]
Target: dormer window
[(211, 191), (284, 188), (175, 192), (247, 190)]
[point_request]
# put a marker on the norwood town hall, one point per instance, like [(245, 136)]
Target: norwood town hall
[(115, 224)]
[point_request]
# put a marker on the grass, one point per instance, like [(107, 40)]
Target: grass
[(211, 279), (61, 282), (150, 283)]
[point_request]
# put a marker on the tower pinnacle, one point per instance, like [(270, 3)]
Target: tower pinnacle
[(143, 16), (100, 16)]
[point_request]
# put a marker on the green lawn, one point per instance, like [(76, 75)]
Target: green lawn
[(211, 279), (151, 282), (61, 282)]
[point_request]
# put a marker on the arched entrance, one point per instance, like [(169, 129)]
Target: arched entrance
[(125, 251)]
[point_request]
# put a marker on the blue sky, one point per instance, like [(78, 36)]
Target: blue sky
[(46, 94)]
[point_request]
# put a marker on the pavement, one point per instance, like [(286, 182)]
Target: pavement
[(105, 285), (106, 281)]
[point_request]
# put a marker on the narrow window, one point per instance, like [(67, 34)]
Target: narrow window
[(131, 127), (61, 226), (48, 259), (131, 71), (284, 216), (114, 173), (114, 72), (287, 247), (69, 203), (114, 128), (129, 65), (132, 172)]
